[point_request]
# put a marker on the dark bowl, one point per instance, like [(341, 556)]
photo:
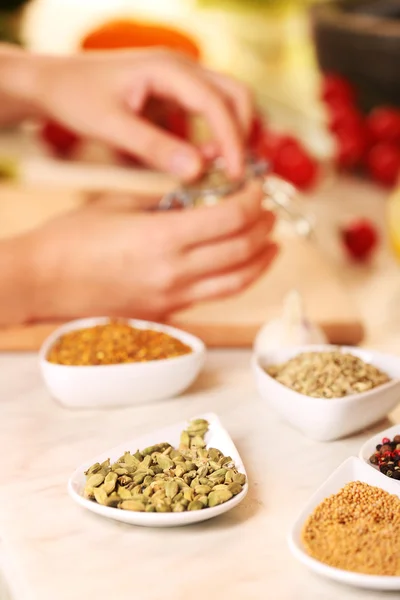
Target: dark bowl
[(360, 40)]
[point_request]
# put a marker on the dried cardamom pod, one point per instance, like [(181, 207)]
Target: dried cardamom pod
[(134, 505), (218, 497), (163, 479), (95, 480), (100, 495)]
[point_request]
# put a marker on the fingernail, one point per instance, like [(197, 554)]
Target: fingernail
[(185, 164)]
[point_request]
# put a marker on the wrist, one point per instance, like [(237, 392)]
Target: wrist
[(17, 285), (19, 80)]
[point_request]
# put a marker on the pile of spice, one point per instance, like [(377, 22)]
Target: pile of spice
[(327, 374), (357, 529), (114, 343), (387, 457), (164, 479)]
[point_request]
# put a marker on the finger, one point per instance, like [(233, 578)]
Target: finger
[(211, 223), (230, 283), (228, 254), (192, 90), (238, 95), (155, 147)]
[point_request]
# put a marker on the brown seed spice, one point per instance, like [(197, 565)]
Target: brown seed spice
[(114, 343), (357, 529)]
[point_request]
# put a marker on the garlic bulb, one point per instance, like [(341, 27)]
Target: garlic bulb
[(291, 329)]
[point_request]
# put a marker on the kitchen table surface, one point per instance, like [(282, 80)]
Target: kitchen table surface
[(52, 549)]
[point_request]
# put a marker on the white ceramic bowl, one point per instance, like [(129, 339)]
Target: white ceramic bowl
[(370, 445), (216, 437), (353, 469), (125, 384), (326, 420)]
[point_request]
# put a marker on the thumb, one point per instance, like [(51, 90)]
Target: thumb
[(153, 146)]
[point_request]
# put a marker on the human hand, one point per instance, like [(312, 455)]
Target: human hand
[(102, 96), (106, 259)]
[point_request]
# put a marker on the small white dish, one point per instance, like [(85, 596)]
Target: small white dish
[(125, 384), (370, 445), (326, 420), (216, 437), (352, 469)]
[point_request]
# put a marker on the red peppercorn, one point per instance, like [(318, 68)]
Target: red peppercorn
[(293, 163), (384, 124), (385, 441), (383, 163), (350, 146), (388, 454), (336, 88), (360, 238)]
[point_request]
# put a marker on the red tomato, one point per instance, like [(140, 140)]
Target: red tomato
[(336, 88), (384, 124), (294, 164), (383, 163), (343, 116), (360, 239), (272, 143), (60, 140), (350, 147)]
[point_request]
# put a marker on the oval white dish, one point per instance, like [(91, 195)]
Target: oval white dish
[(125, 384), (352, 469), (326, 420), (216, 437)]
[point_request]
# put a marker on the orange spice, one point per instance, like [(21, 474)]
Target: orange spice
[(114, 343)]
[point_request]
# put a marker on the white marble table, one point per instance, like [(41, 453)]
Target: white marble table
[(51, 549)]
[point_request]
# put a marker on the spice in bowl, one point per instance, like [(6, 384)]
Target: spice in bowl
[(116, 342), (165, 479), (387, 457), (328, 374), (357, 529)]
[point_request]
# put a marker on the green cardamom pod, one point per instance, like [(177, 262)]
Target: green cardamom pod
[(134, 505), (171, 489), (95, 480), (218, 497), (178, 507), (229, 477), (139, 477), (240, 478), (185, 441), (235, 488), (195, 482), (188, 494), (88, 492), (100, 495), (123, 493), (179, 471), (113, 500), (93, 469), (150, 508), (217, 474), (165, 462), (202, 489), (162, 507), (195, 505)]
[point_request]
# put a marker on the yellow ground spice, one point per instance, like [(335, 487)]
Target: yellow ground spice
[(114, 343), (357, 529)]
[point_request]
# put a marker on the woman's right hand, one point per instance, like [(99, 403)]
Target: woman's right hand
[(107, 260)]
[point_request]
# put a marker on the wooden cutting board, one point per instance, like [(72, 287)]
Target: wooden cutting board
[(231, 322)]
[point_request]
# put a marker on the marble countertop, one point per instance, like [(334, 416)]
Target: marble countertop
[(51, 549)]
